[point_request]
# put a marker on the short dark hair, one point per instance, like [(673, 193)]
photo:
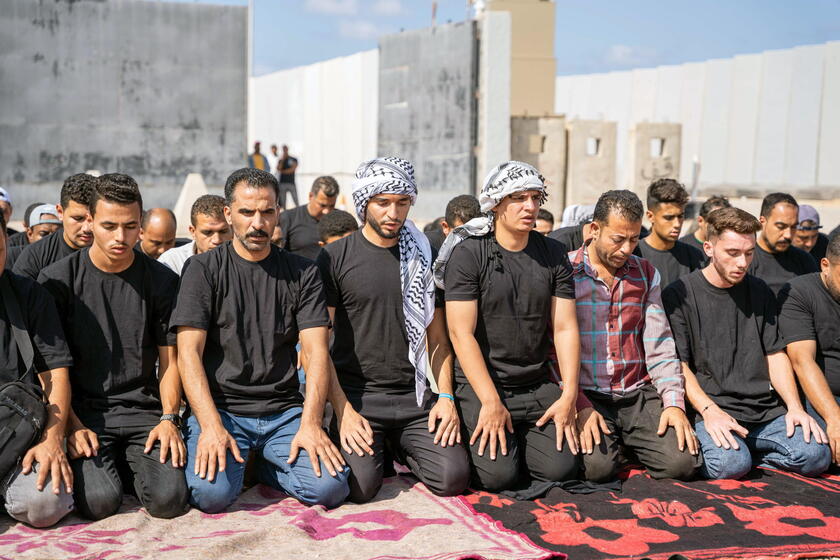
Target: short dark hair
[(434, 225), (337, 222), (325, 184), (731, 219), (78, 188), (713, 203), (29, 210), (208, 205), (832, 252), (666, 191), (115, 187), (3, 223), (544, 214), (463, 208), (622, 202), (771, 200), (253, 178), (147, 215)]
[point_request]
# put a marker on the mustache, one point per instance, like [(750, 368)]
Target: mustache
[(256, 233)]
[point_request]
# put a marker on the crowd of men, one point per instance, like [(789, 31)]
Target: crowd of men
[(492, 350)]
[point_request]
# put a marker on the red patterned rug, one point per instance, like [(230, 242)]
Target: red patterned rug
[(770, 514)]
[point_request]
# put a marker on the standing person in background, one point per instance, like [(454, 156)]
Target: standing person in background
[(274, 161), (208, 228), (776, 260), (257, 160), (6, 210), (697, 238), (157, 232), (288, 165), (807, 235), (300, 225), (666, 202), (545, 222)]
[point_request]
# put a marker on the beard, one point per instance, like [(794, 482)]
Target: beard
[(379, 231), (252, 239), (832, 288)]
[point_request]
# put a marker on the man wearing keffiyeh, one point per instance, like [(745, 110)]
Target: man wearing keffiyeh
[(389, 323), (504, 284)]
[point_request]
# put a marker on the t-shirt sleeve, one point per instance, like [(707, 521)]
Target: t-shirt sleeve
[(461, 278), (312, 306), (194, 300), (324, 261), (25, 264), (672, 298), (796, 316), (771, 336), (166, 288), (562, 277), (44, 327)]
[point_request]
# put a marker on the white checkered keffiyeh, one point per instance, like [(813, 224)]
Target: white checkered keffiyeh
[(393, 175)]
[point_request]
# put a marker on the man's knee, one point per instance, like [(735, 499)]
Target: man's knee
[(328, 491), (599, 467), (97, 501), (677, 465), (498, 475), (365, 482), (810, 459), (167, 500), (721, 463), (452, 478), (211, 497), (25, 503)]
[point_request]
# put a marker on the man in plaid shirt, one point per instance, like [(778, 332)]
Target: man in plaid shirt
[(630, 378)]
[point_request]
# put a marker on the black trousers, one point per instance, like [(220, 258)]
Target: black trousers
[(532, 451), (633, 420), (99, 481), (397, 420), (290, 188)]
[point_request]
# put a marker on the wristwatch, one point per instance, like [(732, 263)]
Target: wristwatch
[(174, 418)]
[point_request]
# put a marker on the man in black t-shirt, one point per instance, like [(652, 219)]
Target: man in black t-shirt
[(697, 238), (666, 201), (287, 167), (737, 375), (809, 319), (372, 279), (807, 235), (459, 211), (504, 283), (776, 260), (240, 312), (299, 225), (33, 492), (75, 232), (115, 303)]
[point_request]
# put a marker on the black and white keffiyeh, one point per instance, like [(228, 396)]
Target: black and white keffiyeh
[(393, 175), (504, 180)]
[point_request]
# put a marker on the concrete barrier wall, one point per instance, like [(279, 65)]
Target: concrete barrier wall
[(153, 89), (757, 122)]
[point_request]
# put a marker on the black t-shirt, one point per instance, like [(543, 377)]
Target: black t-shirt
[(41, 321), (776, 269), (41, 254), (678, 261), (820, 247), (287, 164), (300, 231), (362, 282), (253, 313), (436, 238), (514, 291), (114, 323), (808, 312), (19, 239), (571, 236), (725, 335), (693, 241), (12, 254)]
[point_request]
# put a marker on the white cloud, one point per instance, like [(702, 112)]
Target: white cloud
[(332, 7), (359, 29), (626, 56), (387, 7)]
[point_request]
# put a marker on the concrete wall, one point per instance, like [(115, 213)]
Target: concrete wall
[(494, 124), (654, 154), (156, 90), (757, 123), (427, 109), (541, 141), (589, 172), (327, 113)]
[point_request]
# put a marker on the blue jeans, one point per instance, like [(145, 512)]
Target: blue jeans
[(272, 437), (771, 446)]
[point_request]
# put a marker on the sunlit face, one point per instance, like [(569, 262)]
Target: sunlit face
[(666, 221), (386, 214), (517, 212), (805, 239), (831, 277), (777, 229), (78, 227), (321, 204), (544, 226), (209, 232), (253, 216), (36, 233), (615, 240), (731, 254), (116, 228)]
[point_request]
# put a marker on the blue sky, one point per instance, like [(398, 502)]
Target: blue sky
[(592, 36)]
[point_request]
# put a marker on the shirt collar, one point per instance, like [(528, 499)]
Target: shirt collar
[(580, 263)]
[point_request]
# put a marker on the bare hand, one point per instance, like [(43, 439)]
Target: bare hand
[(493, 420), (51, 461), (354, 432), (211, 451), (675, 417), (590, 425), (319, 447), (563, 412), (449, 430), (82, 442), (170, 440), (809, 426), (832, 431), (720, 426)]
